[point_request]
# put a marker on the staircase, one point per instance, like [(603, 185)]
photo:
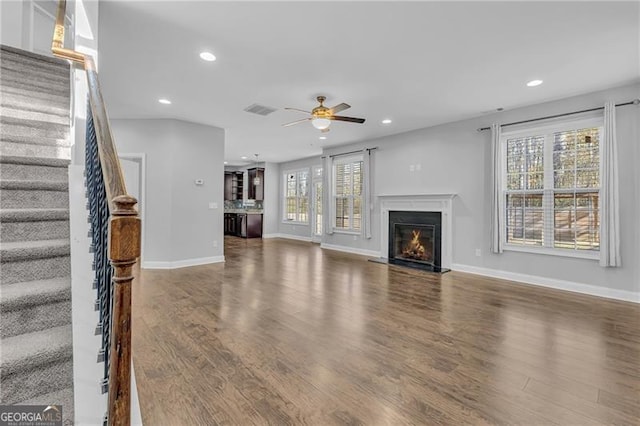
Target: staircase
[(35, 284)]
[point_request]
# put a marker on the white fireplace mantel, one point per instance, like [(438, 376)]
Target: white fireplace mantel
[(442, 203)]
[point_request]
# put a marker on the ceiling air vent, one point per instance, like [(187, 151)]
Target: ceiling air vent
[(260, 109)]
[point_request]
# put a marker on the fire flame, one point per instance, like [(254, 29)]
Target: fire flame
[(415, 250)]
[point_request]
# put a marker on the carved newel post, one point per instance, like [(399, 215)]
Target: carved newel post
[(124, 250)]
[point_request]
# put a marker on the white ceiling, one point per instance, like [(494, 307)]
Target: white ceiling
[(418, 63)]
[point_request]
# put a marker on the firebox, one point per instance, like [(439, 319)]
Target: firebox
[(415, 239)]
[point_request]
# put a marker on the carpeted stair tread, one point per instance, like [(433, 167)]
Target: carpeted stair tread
[(29, 131), (20, 295), (15, 54), (30, 250), (35, 150), (17, 96), (33, 185), (62, 397), (44, 117), (9, 171), (35, 161), (36, 140), (12, 98), (27, 351), (33, 215)]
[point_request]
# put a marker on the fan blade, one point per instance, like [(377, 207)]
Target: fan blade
[(298, 109), (296, 122), (348, 119), (340, 107)]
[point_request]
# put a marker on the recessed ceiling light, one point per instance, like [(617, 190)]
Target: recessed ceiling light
[(386, 121), (323, 137), (207, 56), (244, 157), (226, 162), (534, 83), (164, 101)]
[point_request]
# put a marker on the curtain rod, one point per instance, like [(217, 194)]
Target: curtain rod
[(633, 102), (350, 152)]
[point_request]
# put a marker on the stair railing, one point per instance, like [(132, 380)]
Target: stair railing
[(115, 234)]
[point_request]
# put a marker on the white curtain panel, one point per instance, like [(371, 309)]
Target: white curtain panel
[(328, 200), (497, 214), (609, 200), (366, 210)]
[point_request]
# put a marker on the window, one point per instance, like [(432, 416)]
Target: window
[(296, 208), (551, 189), (347, 194)]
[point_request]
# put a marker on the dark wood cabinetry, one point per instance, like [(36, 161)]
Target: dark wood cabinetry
[(233, 185), (244, 225), (230, 223), (254, 226), (255, 190)]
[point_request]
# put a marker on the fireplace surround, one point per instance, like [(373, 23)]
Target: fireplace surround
[(440, 203)]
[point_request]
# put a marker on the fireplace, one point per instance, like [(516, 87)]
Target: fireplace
[(415, 239)]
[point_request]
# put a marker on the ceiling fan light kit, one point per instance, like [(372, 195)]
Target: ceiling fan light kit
[(321, 116), (321, 123)]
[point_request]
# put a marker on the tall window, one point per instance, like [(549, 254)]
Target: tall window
[(347, 194), (296, 208), (552, 189)]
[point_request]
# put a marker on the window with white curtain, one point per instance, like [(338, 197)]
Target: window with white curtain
[(551, 178), (347, 193), (296, 200)]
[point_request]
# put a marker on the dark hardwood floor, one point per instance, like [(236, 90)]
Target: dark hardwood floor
[(285, 333)]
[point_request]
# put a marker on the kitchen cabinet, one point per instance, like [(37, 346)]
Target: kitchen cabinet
[(245, 225), (230, 223), (233, 185), (253, 226), (255, 190)]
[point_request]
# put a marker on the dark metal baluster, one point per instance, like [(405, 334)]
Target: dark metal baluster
[(99, 219)]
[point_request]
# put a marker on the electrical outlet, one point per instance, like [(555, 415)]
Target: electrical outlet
[(215, 244), (355, 238), (478, 253), (412, 167), (213, 206), (418, 167)]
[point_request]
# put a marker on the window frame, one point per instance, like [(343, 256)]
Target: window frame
[(346, 160), (546, 130), (285, 175)]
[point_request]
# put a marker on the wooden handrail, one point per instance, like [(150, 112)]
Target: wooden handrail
[(124, 233)]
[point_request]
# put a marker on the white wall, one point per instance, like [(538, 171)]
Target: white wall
[(180, 227), (455, 158), (11, 23), (28, 24), (271, 203)]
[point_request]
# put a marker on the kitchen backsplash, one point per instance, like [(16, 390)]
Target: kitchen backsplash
[(238, 204)]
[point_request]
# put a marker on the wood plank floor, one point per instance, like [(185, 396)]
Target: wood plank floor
[(285, 333)]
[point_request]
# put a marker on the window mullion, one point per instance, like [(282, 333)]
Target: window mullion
[(547, 198), (350, 227)]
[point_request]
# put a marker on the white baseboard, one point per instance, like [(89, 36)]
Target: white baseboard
[(287, 236), (609, 293), (182, 263), (352, 250)]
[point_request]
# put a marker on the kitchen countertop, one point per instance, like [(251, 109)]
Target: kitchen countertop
[(244, 211)]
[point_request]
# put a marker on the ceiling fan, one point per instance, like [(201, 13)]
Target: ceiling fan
[(321, 116)]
